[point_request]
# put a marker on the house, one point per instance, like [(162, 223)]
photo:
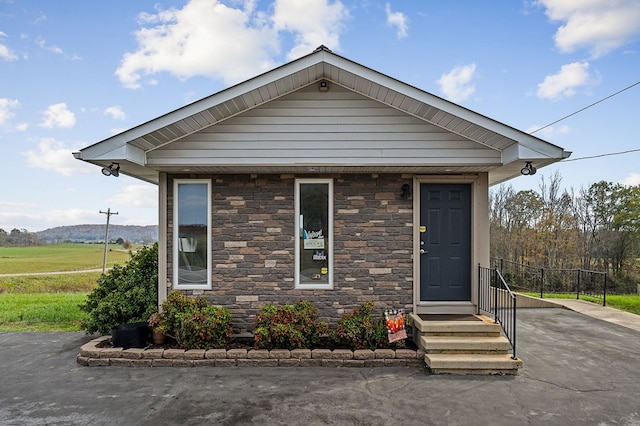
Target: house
[(326, 181)]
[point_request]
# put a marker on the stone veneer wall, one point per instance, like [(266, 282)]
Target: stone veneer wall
[(253, 244)]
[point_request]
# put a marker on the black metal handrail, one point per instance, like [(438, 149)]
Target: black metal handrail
[(532, 279), (496, 298)]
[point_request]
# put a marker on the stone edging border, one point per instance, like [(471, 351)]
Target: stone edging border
[(93, 355)]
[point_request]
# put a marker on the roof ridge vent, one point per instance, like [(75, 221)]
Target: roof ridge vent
[(322, 47)]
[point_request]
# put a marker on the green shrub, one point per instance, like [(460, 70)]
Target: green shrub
[(288, 326), (359, 329), (175, 307), (193, 323), (207, 328), (125, 294)]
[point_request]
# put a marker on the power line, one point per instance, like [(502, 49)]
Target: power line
[(602, 155), (587, 107)]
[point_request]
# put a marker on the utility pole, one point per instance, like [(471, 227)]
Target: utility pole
[(106, 238)]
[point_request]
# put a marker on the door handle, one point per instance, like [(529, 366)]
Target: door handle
[(423, 251)]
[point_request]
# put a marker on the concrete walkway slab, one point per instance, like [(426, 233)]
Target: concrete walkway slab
[(605, 313), (578, 370)]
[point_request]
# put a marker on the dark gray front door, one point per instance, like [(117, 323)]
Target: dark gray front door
[(445, 242)]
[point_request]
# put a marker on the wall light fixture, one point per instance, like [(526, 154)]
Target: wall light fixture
[(112, 170)]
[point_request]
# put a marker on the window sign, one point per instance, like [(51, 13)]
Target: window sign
[(192, 234), (314, 229), (313, 239)]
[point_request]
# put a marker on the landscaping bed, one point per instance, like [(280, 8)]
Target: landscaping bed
[(100, 353)]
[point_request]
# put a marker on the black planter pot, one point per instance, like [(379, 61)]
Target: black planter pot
[(132, 335)]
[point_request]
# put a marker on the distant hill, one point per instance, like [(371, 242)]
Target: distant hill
[(95, 233)]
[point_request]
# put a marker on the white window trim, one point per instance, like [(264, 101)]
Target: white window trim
[(313, 286), (176, 284)]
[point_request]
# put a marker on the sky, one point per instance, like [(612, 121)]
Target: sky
[(73, 73)]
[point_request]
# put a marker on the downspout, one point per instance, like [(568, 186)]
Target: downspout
[(162, 238)]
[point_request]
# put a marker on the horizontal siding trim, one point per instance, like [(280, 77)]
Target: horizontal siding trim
[(292, 145), (456, 156), (323, 128), (429, 140), (381, 164)]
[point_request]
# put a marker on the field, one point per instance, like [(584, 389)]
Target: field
[(35, 301), (58, 257), (41, 311)]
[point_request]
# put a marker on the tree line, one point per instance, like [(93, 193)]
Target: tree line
[(18, 238), (595, 228)]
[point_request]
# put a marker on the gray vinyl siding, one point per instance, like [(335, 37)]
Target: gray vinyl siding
[(303, 128)]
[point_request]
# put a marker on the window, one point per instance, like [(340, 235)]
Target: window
[(192, 234), (314, 233)]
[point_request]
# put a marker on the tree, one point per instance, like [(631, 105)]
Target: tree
[(595, 228), (557, 227), (18, 238), (126, 294)]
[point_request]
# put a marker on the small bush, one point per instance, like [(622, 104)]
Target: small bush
[(193, 323), (288, 326), (359, 329), (175, 307), (207, 328), (125, 294)]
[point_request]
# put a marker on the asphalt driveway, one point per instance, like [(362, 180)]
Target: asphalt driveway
[(578, 370)]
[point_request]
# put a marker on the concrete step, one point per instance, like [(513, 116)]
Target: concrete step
[(472, 364), (481, 326), (465, 344)]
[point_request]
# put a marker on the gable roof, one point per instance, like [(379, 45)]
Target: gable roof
[(133, 148)]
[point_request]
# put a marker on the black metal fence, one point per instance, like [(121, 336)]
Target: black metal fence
[(496, 298), (533, 279)]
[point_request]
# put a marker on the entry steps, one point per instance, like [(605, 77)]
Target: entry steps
[(464, 344)]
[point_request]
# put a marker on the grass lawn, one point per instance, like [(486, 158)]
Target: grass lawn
[(58, 257), (628, 303), (66, 283), (41, 311), (50, 302), (46, 302)]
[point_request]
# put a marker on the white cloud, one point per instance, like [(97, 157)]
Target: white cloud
[(209, 38), (397, 20), (565, 82), (598, 25), (136, 196), (632, 180), (12, 213), (5, 52), (457, 84), (115, 112), (55, 156), (43, 45), (41, 18), (37, 217), (313, 22), (58, 115), (6, 109), (203, 38)]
